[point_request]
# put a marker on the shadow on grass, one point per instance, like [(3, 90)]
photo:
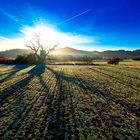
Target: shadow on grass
[(21, 107), (56, 123), (87, 85), (16, 69), (37, 70)]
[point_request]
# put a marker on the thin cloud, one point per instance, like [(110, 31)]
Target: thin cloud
[(80, 14), (2, 38), (10, 16)]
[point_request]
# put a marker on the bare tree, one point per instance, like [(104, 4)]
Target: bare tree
[(36, 45)]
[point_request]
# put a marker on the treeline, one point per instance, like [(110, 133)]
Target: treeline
[(137, 58), (20, 59), (36, 59)]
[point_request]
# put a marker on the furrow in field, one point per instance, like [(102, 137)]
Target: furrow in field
[(127, 71), (112, 93), (124, 80), (15, 77), (84, 97), (29, 122)]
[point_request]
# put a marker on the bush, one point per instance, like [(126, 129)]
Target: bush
[(20, 59), (114, 60), (31, 59), (27, 59)]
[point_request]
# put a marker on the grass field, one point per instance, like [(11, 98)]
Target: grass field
[(69, 102)]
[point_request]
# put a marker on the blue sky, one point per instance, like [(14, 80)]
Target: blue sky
[(83, 24)]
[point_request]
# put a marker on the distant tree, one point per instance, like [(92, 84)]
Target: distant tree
[(36, 45), (87, 59), (26, 59), (114, 60)]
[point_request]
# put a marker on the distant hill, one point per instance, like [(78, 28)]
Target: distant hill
[(67, 51), (121, 53), (12, 54), (70, 51)]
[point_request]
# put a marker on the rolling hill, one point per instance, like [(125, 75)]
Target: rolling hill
[(67, 51)]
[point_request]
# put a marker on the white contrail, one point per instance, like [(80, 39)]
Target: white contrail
[(75, 16), (10, 16)]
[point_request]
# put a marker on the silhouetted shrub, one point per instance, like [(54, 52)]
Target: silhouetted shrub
[(31, 59), (20, 59), (27, 59)]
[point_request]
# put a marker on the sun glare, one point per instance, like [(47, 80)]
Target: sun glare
[(50, 35)]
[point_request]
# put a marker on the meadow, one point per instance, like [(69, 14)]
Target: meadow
[(69, 102)]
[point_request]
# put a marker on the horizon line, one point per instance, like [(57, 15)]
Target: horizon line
[(77, 49)]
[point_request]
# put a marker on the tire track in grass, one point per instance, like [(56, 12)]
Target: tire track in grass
[(39, 103), (74, 121), (123, 107), (92, 133), (55, 123), (5, 68), (62, 116), (21, 114), (17, 86), (27, 122), (12, 99), (3, 75), (119, 80), (103, 88), (67, 117), (129, 103), (121, 71), (17, 69), (79, 94), (43, 115), (16, 119), (14, 85), (92, 88), (11, 83), (128, 69)]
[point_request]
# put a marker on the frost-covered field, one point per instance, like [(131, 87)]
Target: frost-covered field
[(69, 102)]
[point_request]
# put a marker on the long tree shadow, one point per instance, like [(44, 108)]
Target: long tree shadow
[(87, 85), (37, 70), (56, 122), (16, 69), (58, 127), (22, 110)]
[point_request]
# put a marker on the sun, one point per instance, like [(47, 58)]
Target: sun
[(48, 35)]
